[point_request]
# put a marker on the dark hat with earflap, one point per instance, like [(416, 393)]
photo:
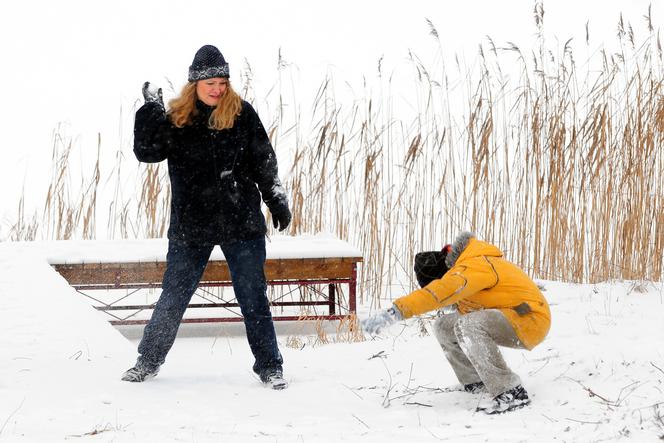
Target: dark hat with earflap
[(208, 63), (430, 265)]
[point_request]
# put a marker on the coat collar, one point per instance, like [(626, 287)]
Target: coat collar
[(458, 247), (203, 112)]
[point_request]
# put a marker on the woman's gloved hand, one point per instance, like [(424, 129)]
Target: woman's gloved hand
[(281, 216), (152, 94)]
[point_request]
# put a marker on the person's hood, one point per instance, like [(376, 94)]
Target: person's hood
[(466, 246)]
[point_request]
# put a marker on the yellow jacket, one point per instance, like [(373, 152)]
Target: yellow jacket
[(480, 278)]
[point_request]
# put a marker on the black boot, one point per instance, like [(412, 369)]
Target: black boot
[(510, 400), (274, 379), (140, 372), (475, 388)]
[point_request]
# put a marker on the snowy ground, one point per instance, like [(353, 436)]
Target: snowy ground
[(599, 376)]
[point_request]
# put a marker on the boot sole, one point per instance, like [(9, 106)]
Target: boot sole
[(511, 408), (136, 380), (278, 386)]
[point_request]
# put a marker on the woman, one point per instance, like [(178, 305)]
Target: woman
[(497, 304), (220, 164)]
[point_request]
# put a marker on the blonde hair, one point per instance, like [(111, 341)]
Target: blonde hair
[(182, 109)]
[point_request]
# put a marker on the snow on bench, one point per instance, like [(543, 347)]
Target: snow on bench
[(297, 269)]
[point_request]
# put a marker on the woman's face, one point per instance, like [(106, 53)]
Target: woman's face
[(210, 90)]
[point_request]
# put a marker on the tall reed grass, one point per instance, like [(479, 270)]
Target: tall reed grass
[(562, 167)]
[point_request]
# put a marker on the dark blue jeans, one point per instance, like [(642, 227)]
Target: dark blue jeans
[(185, 265)]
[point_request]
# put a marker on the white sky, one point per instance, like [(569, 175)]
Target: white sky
[(81, 64)]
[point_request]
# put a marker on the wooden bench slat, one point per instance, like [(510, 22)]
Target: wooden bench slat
[(216, 271)]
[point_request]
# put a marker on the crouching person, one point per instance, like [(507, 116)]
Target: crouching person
[(497, 304)]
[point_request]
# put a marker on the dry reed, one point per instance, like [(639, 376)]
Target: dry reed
[(563, 169)]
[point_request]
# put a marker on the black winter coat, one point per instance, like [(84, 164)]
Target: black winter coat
[(217, 177)]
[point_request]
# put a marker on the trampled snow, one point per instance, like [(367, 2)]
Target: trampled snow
[(598, 376)]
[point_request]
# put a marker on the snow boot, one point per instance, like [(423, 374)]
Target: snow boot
[(475, 388), (274, 379), (140, 372), (510, 400)]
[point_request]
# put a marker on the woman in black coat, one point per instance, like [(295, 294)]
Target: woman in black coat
[(220, 164)]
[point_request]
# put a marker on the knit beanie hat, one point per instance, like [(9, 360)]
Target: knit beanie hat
[(430, 265), (208, 63)]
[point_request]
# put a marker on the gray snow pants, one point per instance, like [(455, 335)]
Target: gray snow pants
[(470, 343)]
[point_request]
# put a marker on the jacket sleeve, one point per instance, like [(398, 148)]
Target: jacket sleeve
[(265, 170), (151, 133), (462, 281)]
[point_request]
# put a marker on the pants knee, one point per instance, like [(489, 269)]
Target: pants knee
[(443, 329), (463, 326), (471, 327)]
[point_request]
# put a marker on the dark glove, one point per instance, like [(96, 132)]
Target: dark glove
[(281, 216), (151, 95)]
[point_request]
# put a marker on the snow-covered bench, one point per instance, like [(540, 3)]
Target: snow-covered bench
[(305, 274)]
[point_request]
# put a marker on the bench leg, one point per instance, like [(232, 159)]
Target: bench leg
[(332, 298), (352, 287)]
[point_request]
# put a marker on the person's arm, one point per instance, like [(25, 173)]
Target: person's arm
[(265, 169), (458, 283), (151, 126)]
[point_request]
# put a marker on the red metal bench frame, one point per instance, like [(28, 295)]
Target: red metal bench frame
[(300, 273)]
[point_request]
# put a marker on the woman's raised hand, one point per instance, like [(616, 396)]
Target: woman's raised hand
[(152, 94)]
